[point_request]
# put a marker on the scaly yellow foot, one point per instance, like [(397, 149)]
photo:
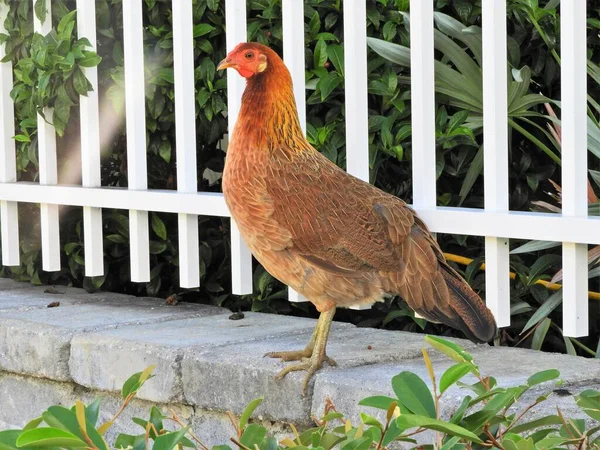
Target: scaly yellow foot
[(313, 356)]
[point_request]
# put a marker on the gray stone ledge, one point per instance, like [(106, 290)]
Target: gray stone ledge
[(208, 364), (106, 359), (510, 367), (37, 342)]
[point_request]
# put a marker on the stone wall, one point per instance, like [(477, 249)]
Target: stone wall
[(208, 364)]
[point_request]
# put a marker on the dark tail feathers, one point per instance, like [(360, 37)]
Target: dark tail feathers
[(472, 316)]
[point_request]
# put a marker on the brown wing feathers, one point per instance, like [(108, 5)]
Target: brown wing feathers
[(430, 286)]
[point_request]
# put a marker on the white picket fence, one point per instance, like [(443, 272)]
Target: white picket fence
[(574, 228)]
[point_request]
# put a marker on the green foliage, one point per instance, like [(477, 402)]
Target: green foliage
[(493, 417), (50, 73)]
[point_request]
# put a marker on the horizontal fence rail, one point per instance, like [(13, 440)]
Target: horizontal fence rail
[(495, 222)]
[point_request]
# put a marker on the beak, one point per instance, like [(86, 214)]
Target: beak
[(226, 64)]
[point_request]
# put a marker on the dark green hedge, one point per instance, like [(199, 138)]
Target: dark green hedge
[(55, 62)]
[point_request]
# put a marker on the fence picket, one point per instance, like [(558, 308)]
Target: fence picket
[(185, 127), (241, 258), (356, 101), (135, 112), (9, 214), (495, 147), (292, 12), (90, 145), (48, 171), (573, 52)]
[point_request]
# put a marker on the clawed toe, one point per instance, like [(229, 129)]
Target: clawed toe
[(310, 365), (289, 356)]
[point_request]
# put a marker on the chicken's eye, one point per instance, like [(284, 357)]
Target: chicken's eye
[(249, 55)]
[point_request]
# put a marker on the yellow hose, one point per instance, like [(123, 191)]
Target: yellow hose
[(553, 287)]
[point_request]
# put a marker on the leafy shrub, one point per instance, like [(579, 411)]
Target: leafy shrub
[(490, 417), (533, 28)]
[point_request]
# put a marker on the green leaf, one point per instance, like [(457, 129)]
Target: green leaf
[(248, 411), (213, 5), (543, 311), (124, 441), (542, 264), (327, 84), (136, 381), (540, 334), (157, 247), (548, 420), (156, 418), (159, 227), (253, 435), (34, 423), (392, 433), (40, 10), (90, 59), (320, 56), (500, 400), (164, 150), (542, 377), (589, 402), (448, 348), (117, 238), (168, 441), (202, 28), (80, 82), (378, 401), (475, 169), (453, 374), (406, 421), (65, 26), (534, 246), (370, 420), (460, 411), (66, 419), (49, 437), (8, 439), (335, 53), (414, 394)]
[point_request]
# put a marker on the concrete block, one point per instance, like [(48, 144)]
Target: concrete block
[(244, 374), (37, 342), (25, 398), (105, 360), (510, 367)]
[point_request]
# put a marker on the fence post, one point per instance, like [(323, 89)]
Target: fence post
[(573, 53), (135, 111), (422, 79), (292, 12), (185, 128), (495, 153), (47, 167), (241, 258), (90, 145)]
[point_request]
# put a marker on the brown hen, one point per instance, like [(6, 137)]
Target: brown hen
[(335, 239)]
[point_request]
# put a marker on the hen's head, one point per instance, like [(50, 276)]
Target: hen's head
[(249, 59)]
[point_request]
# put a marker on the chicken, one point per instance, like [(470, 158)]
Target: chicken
[(336, 239)]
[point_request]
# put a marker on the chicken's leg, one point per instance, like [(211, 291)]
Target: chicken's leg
[(313, 356)]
